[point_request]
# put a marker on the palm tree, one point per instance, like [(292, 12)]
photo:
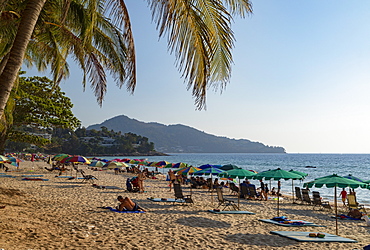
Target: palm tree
[(198, 32)]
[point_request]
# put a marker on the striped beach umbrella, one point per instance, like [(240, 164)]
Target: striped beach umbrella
[(187, 170)]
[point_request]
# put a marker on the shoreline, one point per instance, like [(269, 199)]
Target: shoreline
[(62, 213)]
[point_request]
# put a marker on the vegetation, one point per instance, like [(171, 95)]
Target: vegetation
[(47, 32), (100, 142), (36, 107)]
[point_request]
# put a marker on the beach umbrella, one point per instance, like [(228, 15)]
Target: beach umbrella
[(187, 170), (209, 171), (97, 164), (353, 178), (335, 181), (229, 167), (162, 163), (3, 158), (114, 164), (298, 172), (76, 158), (277, 174), (180, 165), (237, 173), (168, 165), (60, 157), (206, 166)]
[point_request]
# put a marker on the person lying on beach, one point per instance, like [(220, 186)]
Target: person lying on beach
[(128, 204)]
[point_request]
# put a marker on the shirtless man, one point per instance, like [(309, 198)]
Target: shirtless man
[(141, 178), (128, 204), (172, 176)]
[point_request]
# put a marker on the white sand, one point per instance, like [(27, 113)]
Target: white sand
[(64, 214)]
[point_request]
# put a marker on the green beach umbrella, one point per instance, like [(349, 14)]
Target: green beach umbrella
[(335, 181), (298, 172), (240, 174), (229, 167), (277, 174), (97, 164)]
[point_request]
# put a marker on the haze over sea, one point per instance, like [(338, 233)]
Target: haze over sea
[(326, 164)]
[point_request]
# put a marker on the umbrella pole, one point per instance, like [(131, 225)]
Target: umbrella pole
[(239, 194), (278, 201), (293, 190), (336, 210)]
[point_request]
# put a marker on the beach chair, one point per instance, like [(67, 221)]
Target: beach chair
[(353, 204), (244, 192), (224, 202), (306, 197), (180, 196), (87, 178), (234, 189), (317, 201), (298, 195), (253, 192)]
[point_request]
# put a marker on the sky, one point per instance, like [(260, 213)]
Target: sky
[(300, 79)]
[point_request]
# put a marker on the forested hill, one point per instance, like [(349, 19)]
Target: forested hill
[(184, 139)]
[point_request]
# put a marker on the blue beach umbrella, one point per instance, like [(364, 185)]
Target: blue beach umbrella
[(209, 171), (351, 177)]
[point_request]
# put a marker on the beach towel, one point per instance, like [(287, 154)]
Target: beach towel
[(345, 217), (304, 237), (7, 176), (229, 212), (34, 179), (124, 212), (106, 187), (165, 200), (32, 175), (291, 223)]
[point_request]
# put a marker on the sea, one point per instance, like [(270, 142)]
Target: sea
[(315, 165)]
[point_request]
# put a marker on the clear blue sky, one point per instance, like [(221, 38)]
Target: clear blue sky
[(300, 79)]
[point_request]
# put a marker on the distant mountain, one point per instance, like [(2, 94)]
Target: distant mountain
[(183, 139)]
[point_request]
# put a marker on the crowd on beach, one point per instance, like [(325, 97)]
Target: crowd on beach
[(65, 212)]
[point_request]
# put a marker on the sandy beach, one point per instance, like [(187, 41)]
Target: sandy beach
[(66, 214)]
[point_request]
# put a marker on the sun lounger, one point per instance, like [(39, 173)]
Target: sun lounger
[(32, 175), (180, 196), (217, 211), (293, 223), (225, 202), (317, 201), (353, 204), (304, 237), (7, 176), (306, 197)]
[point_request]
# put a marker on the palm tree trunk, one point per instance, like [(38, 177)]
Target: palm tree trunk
[(16, 54)]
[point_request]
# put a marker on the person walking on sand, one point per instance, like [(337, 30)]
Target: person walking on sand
[(141, 178), (343, 195), (263, 192), (172, 178)]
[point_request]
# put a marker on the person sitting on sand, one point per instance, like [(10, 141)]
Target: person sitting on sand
[(355, 213), (128, 204)]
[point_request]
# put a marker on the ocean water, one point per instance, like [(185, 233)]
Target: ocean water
[(357, 165)]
